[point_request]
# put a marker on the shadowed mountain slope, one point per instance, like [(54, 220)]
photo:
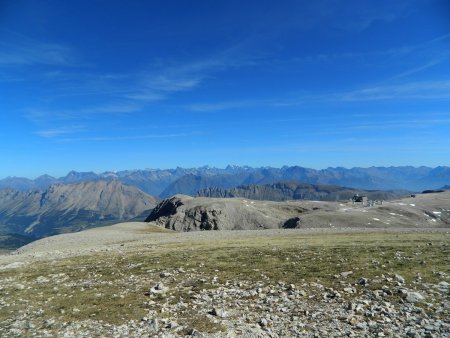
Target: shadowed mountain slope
[(70, 207)]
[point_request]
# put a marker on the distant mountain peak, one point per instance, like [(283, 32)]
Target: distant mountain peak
[(162, 182), (71, 207)]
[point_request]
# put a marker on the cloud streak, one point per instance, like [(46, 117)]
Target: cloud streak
[(128, 138), (375, 127), (42, 116), (61, 131), (169, 79), (128, 93), (412, 58), (19, 50), (422, 90), (224, 105), (418, 91)]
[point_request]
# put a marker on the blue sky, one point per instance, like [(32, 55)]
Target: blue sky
[(112, 85)]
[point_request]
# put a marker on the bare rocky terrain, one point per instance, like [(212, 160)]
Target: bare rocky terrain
[(140, 279), (185, 213)]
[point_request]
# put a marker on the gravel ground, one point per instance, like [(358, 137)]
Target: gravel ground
[(350, 304)]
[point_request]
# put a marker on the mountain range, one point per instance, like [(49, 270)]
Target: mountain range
[(35, 208), (167, 182), (151, 181), (70, 207)]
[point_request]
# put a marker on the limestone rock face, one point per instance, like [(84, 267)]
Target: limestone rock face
[(185, 213), (167, 207)]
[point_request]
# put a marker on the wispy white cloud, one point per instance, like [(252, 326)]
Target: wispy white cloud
[(168, 79), (155, 82), (126, 93), (23, 51), (428, 64), (421, 90), (61, 131), (427, 54), (418, 90), (41, 116), (369, 15), (145, 97), (112, 108), (155, 87), (335, 15), (413, 125), (409, 59), (224, 105), (128, 138)]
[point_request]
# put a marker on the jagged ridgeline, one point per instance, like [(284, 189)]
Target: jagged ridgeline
[(168, 182), (283, 191)]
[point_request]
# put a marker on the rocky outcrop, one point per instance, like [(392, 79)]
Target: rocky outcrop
[(166, 208), (185, 213)]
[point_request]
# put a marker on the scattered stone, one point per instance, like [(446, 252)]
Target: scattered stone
[(219, 312), (153, 325), (196, 301), (414, 297), (353, 320), (302, 293), (399, 279), (346, 274), (263, 322), (443, 286), (49, 323), (363, 281), (20, 286), (159, 289), (194, 333)]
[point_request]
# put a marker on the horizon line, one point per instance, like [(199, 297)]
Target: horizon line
[(221, 168)]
